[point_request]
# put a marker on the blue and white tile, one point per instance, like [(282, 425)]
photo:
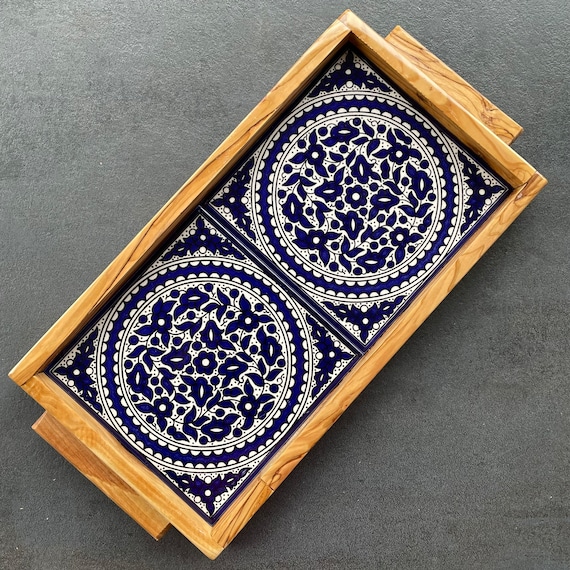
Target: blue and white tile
[(203, 367), (358, 197)]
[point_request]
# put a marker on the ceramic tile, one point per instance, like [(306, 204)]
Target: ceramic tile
[(215, 353), (203, 366), (358, 197)]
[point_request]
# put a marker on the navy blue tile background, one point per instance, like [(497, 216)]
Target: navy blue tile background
[(457, 455)]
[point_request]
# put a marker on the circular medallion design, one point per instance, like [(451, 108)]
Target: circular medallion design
[(206, 362), (360, 198)]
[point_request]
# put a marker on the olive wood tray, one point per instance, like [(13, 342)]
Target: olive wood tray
[(225, 340)]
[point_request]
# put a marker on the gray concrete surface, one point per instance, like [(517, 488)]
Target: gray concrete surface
[(458, 455)]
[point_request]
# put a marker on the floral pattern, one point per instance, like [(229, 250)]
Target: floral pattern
[(364, 208), (216, 372), (206, 363), (207, 489), (482, 191), (358, 197), (77, 370), (348, 73), (219, 348)]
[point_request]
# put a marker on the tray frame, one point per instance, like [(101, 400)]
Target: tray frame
[(470, 117)]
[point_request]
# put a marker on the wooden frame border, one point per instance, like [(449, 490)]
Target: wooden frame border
[(445, 96)]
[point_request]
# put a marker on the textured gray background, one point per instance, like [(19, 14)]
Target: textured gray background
[(457, 456)]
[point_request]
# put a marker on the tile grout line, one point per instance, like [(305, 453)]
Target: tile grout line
[(258, 257)]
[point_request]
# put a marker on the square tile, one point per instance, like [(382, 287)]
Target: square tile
[(358, 197), (203, 366)]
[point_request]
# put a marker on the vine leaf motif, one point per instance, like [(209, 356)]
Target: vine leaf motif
[(138, 379), (348, 71), (77, 371), (209, 492), (481, 191), (233, 198)]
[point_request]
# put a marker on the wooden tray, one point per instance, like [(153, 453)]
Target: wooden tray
[(224, 341)]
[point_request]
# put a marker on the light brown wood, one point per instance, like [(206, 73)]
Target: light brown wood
[(430, 94), (125, 465), (83, 459), (235, 518), (86, 430), (464, 93), (468, 129)]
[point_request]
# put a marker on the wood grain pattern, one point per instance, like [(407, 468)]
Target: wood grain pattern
[(438, 103), (236, 517), (465, 94), (429, 90), (125, 465), (83, 459)]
